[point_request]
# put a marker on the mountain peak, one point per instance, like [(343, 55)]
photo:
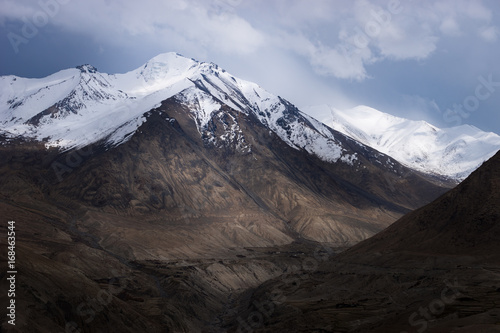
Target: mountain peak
[(165, 66), (70, 112), (451, 152), (87, 69), (168, 57)]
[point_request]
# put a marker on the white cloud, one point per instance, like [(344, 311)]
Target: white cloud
[(328, 61), (415, 107), (489, 34), (475, 10), (450, 27), (402, 46), (339, 62), (372, 31)]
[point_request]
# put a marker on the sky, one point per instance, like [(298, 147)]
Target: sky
[(424, 60)]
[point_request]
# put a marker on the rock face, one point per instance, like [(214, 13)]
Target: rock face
[(435, 270)]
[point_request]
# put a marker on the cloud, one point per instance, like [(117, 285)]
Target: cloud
[(450, 27), (474, 10), (366, 33), (208, 25), (416, 107), (339, 38), (363, 32), (489, 34), (325, 60)]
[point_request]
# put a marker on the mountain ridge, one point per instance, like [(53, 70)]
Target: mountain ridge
[(113, 105), (76, 107), (450, 152)]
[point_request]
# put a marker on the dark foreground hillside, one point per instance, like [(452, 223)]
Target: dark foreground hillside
[(437, 269)]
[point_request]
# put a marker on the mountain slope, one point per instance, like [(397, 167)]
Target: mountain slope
[(434, 270), (237, 127), (271, 193), (466, 220), (451, 152)]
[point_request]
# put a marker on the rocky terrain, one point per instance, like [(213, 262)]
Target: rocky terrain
[(437, 269)]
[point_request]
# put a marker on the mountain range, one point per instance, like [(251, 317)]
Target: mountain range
[(77, 107), (173, 195), (81, 106)]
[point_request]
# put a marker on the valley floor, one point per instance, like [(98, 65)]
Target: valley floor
[(300, 287), (402, 292)]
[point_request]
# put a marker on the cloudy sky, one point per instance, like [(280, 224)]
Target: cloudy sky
[(425, 60)]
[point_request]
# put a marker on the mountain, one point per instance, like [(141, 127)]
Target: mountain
[(451, 152), (78, 107), (434, 270), (465, 221), (227, 132), (167, 193)]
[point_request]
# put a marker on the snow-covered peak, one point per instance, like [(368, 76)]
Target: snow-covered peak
[(452, 152), (87, 69), (166, 66), (77, 107), (170, 58), (374, 121)]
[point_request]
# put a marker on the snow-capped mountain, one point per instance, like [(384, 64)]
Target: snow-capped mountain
[(80, 106), (76, 107), (452, 152), (189, 160)]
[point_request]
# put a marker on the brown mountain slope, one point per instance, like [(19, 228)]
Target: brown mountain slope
[(437, 269), (166, 232), (168, 175), (466, 220)]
